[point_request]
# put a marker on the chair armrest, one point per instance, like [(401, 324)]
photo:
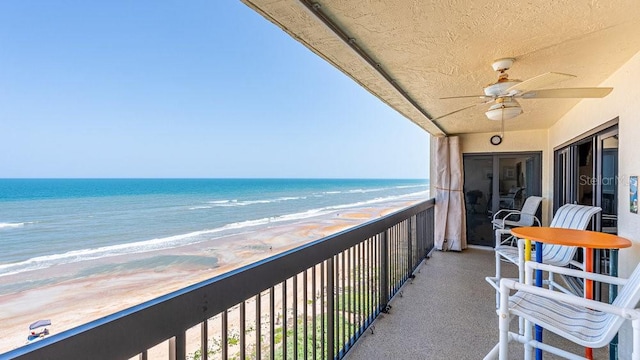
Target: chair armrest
[(536, 221), (500, 211), (501, 220), (509, 284), (532, 265), (511, 212)]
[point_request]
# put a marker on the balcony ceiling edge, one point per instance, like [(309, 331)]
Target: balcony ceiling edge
[(303, 23)]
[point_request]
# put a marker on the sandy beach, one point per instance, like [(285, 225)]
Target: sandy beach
[(73, 299)]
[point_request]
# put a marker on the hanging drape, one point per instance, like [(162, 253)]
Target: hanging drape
[(450, 215)]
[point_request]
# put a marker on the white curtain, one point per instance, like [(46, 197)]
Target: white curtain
[(450, 215)]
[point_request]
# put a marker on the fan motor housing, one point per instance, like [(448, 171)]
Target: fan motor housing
[(500, 88)]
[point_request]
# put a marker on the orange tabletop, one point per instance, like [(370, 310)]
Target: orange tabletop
[(586, 239), (571, 237)]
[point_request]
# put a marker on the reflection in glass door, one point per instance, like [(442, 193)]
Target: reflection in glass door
[(494, 182), (586, 172), (478, 187)]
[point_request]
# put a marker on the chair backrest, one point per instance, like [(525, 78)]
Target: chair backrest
[(573, 216), (602, 330), (529, 210), (627, 298), (569, 216), (594, 330), (629, 295)]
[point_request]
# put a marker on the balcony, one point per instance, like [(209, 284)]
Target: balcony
[(364, 293)]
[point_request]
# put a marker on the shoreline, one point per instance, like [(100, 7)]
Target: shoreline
[(73, 301)]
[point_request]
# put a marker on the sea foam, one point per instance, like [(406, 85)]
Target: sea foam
[(4, 225), (43, 262), (235, 202)]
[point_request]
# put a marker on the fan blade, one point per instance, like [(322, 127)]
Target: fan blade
[(594, 92), (457, 111), (467, 96), (538, 82)]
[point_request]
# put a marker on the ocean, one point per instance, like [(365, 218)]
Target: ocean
[(47, 223)]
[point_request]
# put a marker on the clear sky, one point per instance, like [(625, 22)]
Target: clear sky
[(204, 88)]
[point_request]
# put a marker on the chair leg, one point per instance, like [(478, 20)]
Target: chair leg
[(498, 274), (521, 323), (503, 323), (520, 262), (528, 331)]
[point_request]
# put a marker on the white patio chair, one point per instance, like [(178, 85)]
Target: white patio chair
[(585, 322), (505, 219), (569, 216)]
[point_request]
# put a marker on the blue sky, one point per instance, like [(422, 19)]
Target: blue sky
[(184, 89)]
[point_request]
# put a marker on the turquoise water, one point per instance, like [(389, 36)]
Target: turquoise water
[(49, 222)]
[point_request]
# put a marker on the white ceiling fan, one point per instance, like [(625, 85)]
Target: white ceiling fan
[(504, 92)]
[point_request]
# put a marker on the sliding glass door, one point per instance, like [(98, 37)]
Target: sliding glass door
[(497, 181)]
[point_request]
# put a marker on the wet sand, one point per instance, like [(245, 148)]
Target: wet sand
[(73, 299)]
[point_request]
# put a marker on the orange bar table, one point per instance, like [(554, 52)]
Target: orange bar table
[(586, 239)]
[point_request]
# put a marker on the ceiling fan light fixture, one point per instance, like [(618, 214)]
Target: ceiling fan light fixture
[(505, 110)]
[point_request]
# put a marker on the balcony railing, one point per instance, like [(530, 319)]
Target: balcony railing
[(311, 302)]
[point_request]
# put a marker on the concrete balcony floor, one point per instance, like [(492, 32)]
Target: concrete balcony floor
[(447, 312)]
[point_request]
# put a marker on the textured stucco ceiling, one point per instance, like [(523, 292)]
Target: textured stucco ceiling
[(445, 48)]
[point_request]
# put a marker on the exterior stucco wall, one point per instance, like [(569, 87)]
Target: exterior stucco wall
[(531, 140), (623, 102)]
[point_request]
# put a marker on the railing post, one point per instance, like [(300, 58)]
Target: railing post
[(421, 225), (204, 340), (325, 295), (224, 338), (314, 307), (258, 326), (384, 270), (243, 322), (409, 245), (272, 327), (284, 318), (177, 347), (330, 310), (295, 316)]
